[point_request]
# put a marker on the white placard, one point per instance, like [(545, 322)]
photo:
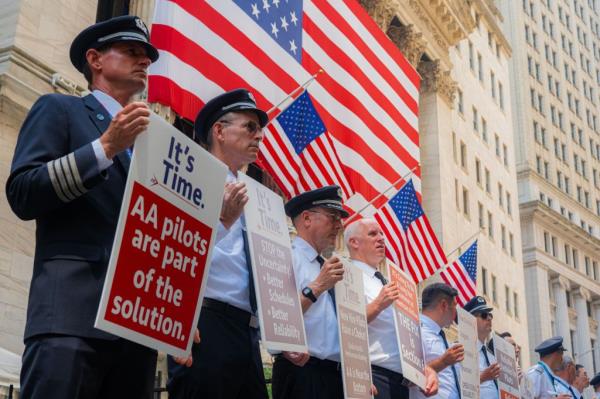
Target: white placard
[(353, 332), (157, 272), (469, 372), (408, 327), (508, 381), (279, 308)]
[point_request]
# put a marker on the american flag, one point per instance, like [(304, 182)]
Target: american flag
[(299, 151), (462, 274), (410, 240), (367, 97)]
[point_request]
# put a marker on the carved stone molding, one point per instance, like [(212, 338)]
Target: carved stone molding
[(409, 41), (563, 282), (382, 12), (434, 79), (584, 293)]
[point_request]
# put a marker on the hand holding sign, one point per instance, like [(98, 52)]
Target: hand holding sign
[(331, 272), (132, 120), (432, 382), (188, 360), (490, 373), (453, 355), (235, 198), (297, 358), (388, 294)]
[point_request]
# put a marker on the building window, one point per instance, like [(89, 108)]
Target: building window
[(511, 244), (494, 290), (501, 95), (488, 182), (460, 102), (465, 198), (490, 225), (484, 282), (500, 196), (456, 195), (478, 171), (503, 236), (480, 216), (546, 241), (508, 203), (516, 305), (480, 67), (567, 249), (507, 299), (463, 155), (554, 247), (454, 152), (475, 120)]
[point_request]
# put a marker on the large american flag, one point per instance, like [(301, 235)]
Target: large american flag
[(410, 240), (462, 275), (366, 97)]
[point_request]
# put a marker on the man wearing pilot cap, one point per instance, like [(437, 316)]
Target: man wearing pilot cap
[(541, 376), (317, 216), (68, 173), (227, 362)]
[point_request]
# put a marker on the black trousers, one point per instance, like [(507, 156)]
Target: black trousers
[(388, 383), (67, 367), (317, 379), (227, 362)]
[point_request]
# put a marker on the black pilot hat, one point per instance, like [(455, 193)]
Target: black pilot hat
[(550, 346), (595, 381), (325, 197), (477, 305), (231, 101), (126, 28)]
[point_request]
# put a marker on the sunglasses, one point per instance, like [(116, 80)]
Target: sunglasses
[(486, 316)]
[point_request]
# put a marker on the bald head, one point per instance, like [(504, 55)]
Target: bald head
[(365, 241)]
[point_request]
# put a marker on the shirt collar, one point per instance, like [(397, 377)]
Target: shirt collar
[(305, 248), (368, 270), (110, 104), (429, 323)]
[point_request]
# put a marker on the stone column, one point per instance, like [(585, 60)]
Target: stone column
[(539, 311), (596, 310), (560, 287), (410, 42), (583, 353)]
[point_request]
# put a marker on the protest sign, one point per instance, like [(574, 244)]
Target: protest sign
[(166, 230), (279, 308), (351, 311), (469, 371), (408, 327), (508, 381)]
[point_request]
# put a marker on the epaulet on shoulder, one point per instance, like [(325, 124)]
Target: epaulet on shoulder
[(536, 369)]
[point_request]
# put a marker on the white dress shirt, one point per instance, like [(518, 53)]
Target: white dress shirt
[(543, 381), (488, 388), (228, 277), (433, 348), (320, 321), (113, 107), (383, 344), (564, 387)]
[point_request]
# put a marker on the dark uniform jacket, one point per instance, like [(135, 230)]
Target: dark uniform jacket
[(55, 179)]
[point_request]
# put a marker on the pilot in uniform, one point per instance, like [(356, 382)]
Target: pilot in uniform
[(543, 381)]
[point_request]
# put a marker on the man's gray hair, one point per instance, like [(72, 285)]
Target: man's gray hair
[(565, 363)]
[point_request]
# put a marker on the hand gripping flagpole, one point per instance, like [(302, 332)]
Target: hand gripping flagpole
[(298, 89), (393, 185)]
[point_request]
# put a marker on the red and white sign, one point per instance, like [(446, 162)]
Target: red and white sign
[(159, 260)]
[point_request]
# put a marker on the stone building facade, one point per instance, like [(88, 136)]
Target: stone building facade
[(556, 91), (467, 160)]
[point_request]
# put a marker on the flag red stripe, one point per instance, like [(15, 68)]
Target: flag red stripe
[(167, 92), (345, 62), (382, 39)]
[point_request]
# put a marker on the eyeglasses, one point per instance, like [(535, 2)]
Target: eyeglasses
[(486, 316), (251, 127), (335, 218)]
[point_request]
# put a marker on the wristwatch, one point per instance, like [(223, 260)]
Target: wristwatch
[(308, 292)]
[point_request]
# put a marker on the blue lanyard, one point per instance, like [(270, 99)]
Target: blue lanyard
[(548, 373)]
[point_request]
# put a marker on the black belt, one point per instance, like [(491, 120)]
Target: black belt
[(392, 374), (231, 311), (315, 362)]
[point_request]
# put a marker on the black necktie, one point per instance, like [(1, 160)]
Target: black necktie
[(443, 334), (487, 362), (381, 277), (251, 289), (330, 291)]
